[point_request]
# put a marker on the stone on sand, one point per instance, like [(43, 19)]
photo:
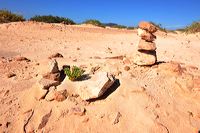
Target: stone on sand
[(52, 76), (46, 83), (60, 96), (50, 94), (56, 55), (144, 45), (143, 58), (149, 27), (77, 110), (53, 66), (95, 88)]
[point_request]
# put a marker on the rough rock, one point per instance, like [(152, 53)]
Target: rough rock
[(46, 83), (60, 96), (52, 76), (53, 66), (21, 58), (145, 58), (148, 37), (50, 94), (56, 55), (170, 68), (10, 75), (96, 87), (147, 26), (144, 45), (126, 68), (78, 111), (116, 120)]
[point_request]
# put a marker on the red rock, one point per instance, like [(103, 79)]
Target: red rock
[(148, 37), (126, 68), (52, 76), (144, 45), (59, 96), (147, 26)]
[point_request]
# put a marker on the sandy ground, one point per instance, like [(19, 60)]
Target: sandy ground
[(148, 99)]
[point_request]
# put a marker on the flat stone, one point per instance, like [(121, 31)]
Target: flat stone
[(96, 87), (148, 37), (147, 26), (50, 94), (145, 58), (144, 45), (53, 66), (46, 83)]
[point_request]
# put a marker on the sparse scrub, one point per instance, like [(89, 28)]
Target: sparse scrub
[(120, 26), (193, 28), (130, 28), (74, 73), (7, 16), (52, 19), (113, 25), (94, 22)]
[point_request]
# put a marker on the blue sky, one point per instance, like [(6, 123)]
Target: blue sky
[(170, 13)]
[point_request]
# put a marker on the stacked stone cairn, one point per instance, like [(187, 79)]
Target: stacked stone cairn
[(146, 52)]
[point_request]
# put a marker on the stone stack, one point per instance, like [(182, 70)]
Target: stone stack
[(146, 53)]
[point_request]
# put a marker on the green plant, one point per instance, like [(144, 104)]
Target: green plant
[(52, 19), (7, 16), (94, 22), (74, 73)]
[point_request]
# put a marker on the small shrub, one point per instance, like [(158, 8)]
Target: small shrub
[(7, 16), (52, 19), (193, 28), (74, 73), (94, 22), (130, 28), (120, 26)]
